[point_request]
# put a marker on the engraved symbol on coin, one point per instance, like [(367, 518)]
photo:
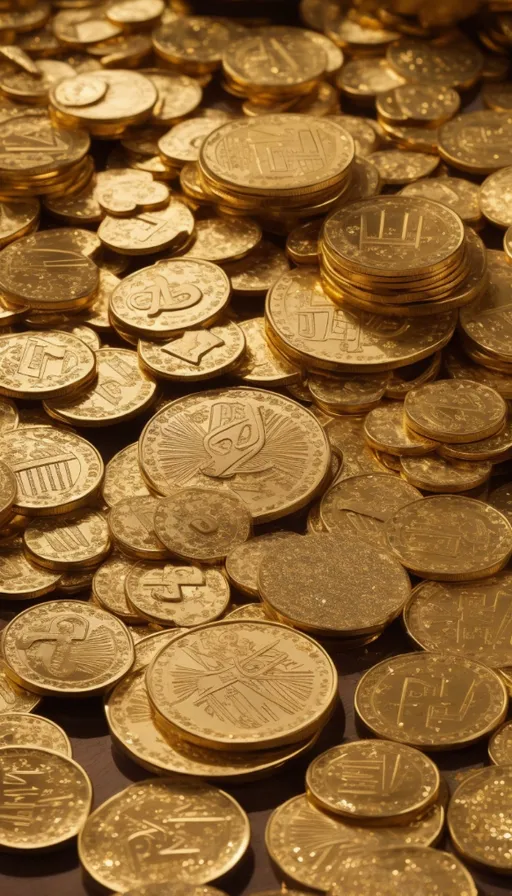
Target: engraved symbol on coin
[(160, 297), (193, 345), (174, 583), (67, 647)]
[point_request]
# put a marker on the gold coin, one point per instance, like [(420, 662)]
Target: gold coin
[(200, 354), (127, 191), (23, 87), (311, 847), (495, 195), (433, 701), (384, 430), (147, 648), (123, 478), (98, 649), (302, 243), (349, 394), (224, 717), (18, 217), (350, 34), (500, 745), (360, 505), (373, 781), (459, 194), (30, 146), (75, 582), (496, 448), (363, 134), (81, 27), (108, 588), (76, 540), (437, 474), (193, 43), (221, 240), (450, 538), (149, 232), (178, 95), (55, 470), (261, 364), (243, 561), (172, 594), (477, 142), (135, 12), (485, 320), (48, 797), (469, 619), (363, 79), (19, 578), (497, 96), (275, 60), (132, 527), (249, 611), (182, 143), (23, 729), (255, 274), (461, 367), (478, 818), (96, 313), (8, 489), (12, 697), (45, 364), (346, 435), (455, 411), (9, 417), (201, 434), (449, 64), (178, 890), (217, 830), (114, 97), (419, 104), (397, 166), (501, 499)]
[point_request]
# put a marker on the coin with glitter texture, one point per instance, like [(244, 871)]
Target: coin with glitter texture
[(198, 354), (176, 594), (457, 63), (477, 142), (455, 411), (457, 193), (255, 274), (364, 79), (275, 60), (243, 562), (69, 541), (8, 490), (31, 145), (261, 364), (132, 527), (178, 95), (500, 745), (485, 321), (220, 240), (123, 478), (346, 435), (495, 196), (9, 417), (149, 645), (202, 524), (478, 818), (26, 729), (419, 104), (397, 166), (384, 430), (18, 217), (128, 191)]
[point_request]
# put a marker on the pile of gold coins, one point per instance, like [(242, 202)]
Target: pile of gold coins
[(255, 445)]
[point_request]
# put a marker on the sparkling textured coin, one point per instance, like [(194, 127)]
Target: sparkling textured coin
[(444, 475), (500, 745), (8, 490), (14, 698), (485, 320), (348, 394), (261, 364), (132, 527), (478, 818), (172, 594), (257, 272), (243, 562), (346, 435), (419, 104), (215, 826), (148, 232), (114, 97), (457, 193), (19, 578), (248, 612), (396, 166), (44, 364), (193, 43), (455, 411), (221, 240), (147, 648), (54, 792), (28, 730), (276, 61), (362, 131), (302, 243), (433, 701), (384, 430), (17, 218), (477, 142), (70, 541), (449, 64), (200, 354), (495, 197), (178, 890), (30, 145), (363, 79), (178, 95), (501, 499), (108, 588), (123, 478), (237, 670), (66, 648), (128, 191), (182, 143)]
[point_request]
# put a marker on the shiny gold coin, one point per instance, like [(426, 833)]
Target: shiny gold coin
[(450, 538), (461, 367), (149, 645), (261, 364), (178, 890), (469, 619), (496, 448), (55, 792), (346, 435), (30, 146), (96, 313), (350, 34), (364, 79), (461, 195), (401, 167), (26, 730), (448, 64), (217, 831), (363, 133), (433, 701), (495, 196), (149, 232), (243, 562), (183, 142), (384, 430), (204, 430), (14, 698), (485, 320), (477, 142), (9, 417), (127, 191), (408, 137), (132, 527), (454, 411), (297, 833), (75, 582), (500, 745), (70, 541), (108, 588), (193, 43), (444, 475), (200, 354), (8, 490), (104, 98), (123, 478), (348, 394), (178, 95), (501, 499), (44, 364), (255, 612), (478, 818), (173, 594), (77, 27), (419, 104), (17, 219), (302, 243), (399, 783), (24, 87), (227, 719), (258, 271), (98, 649), (275, 60), (19, 578), (139, 13), (221, 240)]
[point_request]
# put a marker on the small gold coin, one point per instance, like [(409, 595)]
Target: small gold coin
[(450, 538), (128, 191), (193, 43), (384, 430), (18, 217), (478, 818), (135, 12), (364, 79), (485, 320), (9, 417), (183, 142), (500, 745), (19, 578), (30, 145), (495, 197), (81, 27), (354, 36), (8, 490), (178, 95), (433, 701), (302, 243), (200, 354), (28, 730), (444, 475), (55, 792), (14, 698), (132, 527), (449, 64), (70, 541), (419, 104), (217, 830), (248, 612), (261, 364), (108, 588), (221, 240), (362, 131), (477, 142), (349, 394), (123, 478), (150, 232), (397, 166), (45, 364), (459, 194), (460, 367), (224, 718), (454, 411), (400, 782), (275, 61), (172, 594), (297, 832), (63, 648), (243, 562)]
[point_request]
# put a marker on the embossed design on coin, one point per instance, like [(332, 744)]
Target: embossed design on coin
[(196, 355), (23, 729), (19, 578), (202, 524), (478, 818), (455, 410), (12, 697), (500, 745), (170, 594), (78, 540), (132, 526)]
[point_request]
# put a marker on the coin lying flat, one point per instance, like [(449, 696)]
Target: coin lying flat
[(74, 541), (159, 811), (477, 142), (444, 475), (478, 818), (243, 561), (432, 701), (148, 232), (26, 729), (173, 594), (19, 578), (384, 430), (55, 792), (149, 645), (17, 218), (129, 191), (108, 587), (132, 527), (262, 364), (178, 890), (14, 698), (457, 193), (202, 524), (500, 745), (198, 354), (255, 274), (123, 478), (221, 240), (455, 411), (485, 320)]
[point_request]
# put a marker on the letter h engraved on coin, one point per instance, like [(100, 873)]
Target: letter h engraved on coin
[(375, 233), (428, 703)]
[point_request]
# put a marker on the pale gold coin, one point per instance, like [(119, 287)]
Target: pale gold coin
[(455, 411), (17, 218), (44, 364), (384, 430), (132, 527), (30, 145), (178, 95), (302, 243), (217, 830), (123, 478), (310, 847), (433, 701), (450, 538), (397, 166), (363, 79), (14, 698), (128, 191), (485, 320), (202, 433), (373, 781), (70, 541), (202, 524), (477, 142), (261, 364), (55, 792), (444, 475), (182, 143), (19, 578), (149, 232), (448, 64), (362, 131), (221, 240), (478, 818), (28, 730), (500, 745), (173, 594), (243, 562), (419, 104), (457, 193), (398, 870), (122, 390), (348, 394), (108, 588), (114, 97), (193, 43), (495, 197), (55, 470), (200, 354)]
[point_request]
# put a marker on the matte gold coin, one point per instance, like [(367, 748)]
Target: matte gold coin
[(19, 578), (497, 96), (373, 781), (202, 524), (433, 701), (397, 166), (108, 588), (54, 792), (243, 561), (384, 430), (63, 648), (132, 527), (500, 745), (149, 232), (450, 538), (170, 297), (123, 478), (70, 541), (444, 475), (232, 439), (221, 240), (30, 145), (454, 411), (14, 698), (193, 43), (360, 505), (275, 60), (477, 142), (28, 730), (44, 364), (55, 470), (17, 218), (311, 847), (470, 619), (302, 243), (495, 196), (127, 191), (459, 194), (215, 826), (178, 95), (200, 354), (232, 704), (363, 79), (478, 818), (122, 390), (77, 27), (449, 64), (261, 364), (485, 320), (172, 594)]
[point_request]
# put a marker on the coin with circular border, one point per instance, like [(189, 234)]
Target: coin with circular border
[(457, 193), (459, 366), (501, 499), (24, 87), (255, 274), (484, 320), (302, 243), (18, 217), (384, 704), (178, 890), (44, 364), (182, 143), (14, 698), (132, 527), (96, 313), (276, 61), (9, 417), (478, 819), (444, 475), (456, 63), (8, 490), (261, 364), (99, 650), (148, 232), (243, 561), (398, 167), (172, 594), (149, 645), (71, 541), (364, 79), (220, 240), (419, 104), (495, 196), (108, 587), (348, 394), (35, 135), (500, 745), (19, 578), (178, 95), (193, 43), (123, 478), (384, 430), (197, 355), (127, 191), (29, 730), (477, 142), (362, 131), (255, 612), (81, 208), (116, 97), (77, 27), (346, 435), (455, 411)]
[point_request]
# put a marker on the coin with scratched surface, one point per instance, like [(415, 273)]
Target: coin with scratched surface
[(132, 526), (479, 818), (158, 812), (433, 701), (196, 355), (195, 441), (27, 729), (50, 797), (243, 711), (123, 478), (500, 745), (174, 594), (19, 578), (454, 411), (66, 648), (202, 524)]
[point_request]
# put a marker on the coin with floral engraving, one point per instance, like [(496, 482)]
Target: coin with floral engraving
[(455, 411), (27, 729), (44, 364), (108, 587), (176, 594), (132, 527), (123, 478)]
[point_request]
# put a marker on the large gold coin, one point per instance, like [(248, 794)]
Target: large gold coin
[(196, 355), (311, 847), (64, 648), (450, 538), (28, 730), (132, 526), (31, 145), (455, 411), (229, 703), (123, 478), (47, 798), (275, 61), (159, 813), (173, 594), (479, 818), (202, 524), (243, 561), (433, 701), (500, 745), (68, 541), (233, 439), (486, 320), (477, 142)]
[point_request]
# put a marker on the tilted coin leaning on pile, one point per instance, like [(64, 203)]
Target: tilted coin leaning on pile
[(256, 446)]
